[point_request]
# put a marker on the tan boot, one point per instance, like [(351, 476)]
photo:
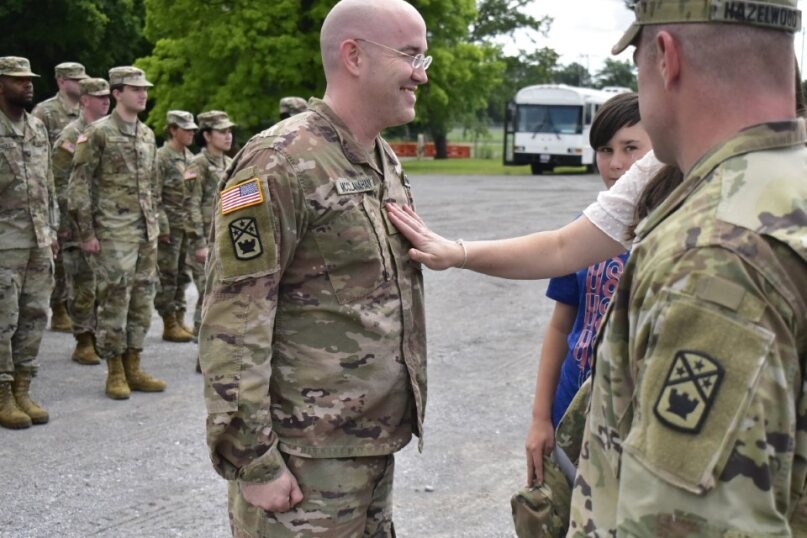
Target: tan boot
[(181, 322), (85, 350), (11, 416), (173, 331), (60, 319), (137, 378), (116, 386), (21, 388)]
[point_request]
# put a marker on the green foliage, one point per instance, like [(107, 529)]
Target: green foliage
[(573, 74), (617, 73), (241, 57), (97, 33)]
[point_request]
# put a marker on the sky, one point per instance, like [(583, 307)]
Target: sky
[(584, 31)]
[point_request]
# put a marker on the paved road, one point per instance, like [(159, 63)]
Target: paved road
[(139, 468)]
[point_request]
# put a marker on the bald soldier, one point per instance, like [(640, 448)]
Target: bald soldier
[(313, 340), (56, 113), (79, 269), (27, 235), (698, 413)]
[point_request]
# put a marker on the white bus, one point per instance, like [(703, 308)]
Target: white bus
[(547, 125)]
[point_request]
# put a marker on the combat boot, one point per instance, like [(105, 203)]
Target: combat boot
[(60, 319), (11, 416), (181, 322), (21, 388), (173, 331), (137, 378), (85, 350), (116, 386)]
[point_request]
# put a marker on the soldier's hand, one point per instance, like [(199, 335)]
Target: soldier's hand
[(432, 250), (165, 239), (93, 246), (540, 442), (280, 495), (201, 255)]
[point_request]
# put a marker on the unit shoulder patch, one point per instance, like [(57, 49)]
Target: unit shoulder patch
[(689, 391), (246, 238)]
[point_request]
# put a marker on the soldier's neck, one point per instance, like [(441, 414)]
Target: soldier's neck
[(176, 145), (215, 152), (125, 114), (69, 99), (14, 113)]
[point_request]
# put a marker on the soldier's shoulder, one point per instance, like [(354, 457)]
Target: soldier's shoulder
[(37, 124), (297, 135), (46, 106)]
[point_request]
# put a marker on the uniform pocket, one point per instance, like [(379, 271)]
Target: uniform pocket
[(695, 391), (351, 243)]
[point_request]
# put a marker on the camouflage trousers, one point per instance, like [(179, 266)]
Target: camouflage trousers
[(198, 271), (126, 283), (175, 275), (26, 281), (79, 270), (342, 498), (60, 293)]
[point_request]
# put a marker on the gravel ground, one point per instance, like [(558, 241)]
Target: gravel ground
[(139, 468)]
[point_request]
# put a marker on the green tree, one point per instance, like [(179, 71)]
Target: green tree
[(97, 33), (573, 74), (526, 69), (617, 73)]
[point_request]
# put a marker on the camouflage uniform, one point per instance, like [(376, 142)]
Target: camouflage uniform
[(312, 338), (27, 230), (56, 113), (79, 273), (290, 106), (204, 174), (171, 258), (113, 196), (698, 408)]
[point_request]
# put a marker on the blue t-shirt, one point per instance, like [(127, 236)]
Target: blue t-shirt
[(590, 290)]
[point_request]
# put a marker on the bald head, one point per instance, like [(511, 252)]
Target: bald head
[(365, 19)]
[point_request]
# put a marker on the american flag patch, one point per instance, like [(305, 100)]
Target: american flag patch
[(189, 174), (68, 147), (240, 196), (81, 138)]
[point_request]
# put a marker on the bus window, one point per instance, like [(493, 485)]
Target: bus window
[(556, 119)]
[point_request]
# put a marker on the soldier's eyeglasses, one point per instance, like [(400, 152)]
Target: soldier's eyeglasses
[(419, 61)]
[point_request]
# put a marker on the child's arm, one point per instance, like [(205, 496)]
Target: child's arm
[(541, 435), (595, 237)]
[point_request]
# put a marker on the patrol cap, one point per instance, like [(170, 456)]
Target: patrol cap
[(15, 66), (182, 119), (293, 105), (70, 70), (776, 14), (214, 119), (97, 87), (129, 76)]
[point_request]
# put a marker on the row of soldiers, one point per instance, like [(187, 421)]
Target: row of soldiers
[(93, 211)]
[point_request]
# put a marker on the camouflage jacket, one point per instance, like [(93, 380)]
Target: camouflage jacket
[(171, 178), (204, 175), (313, 337), (112, 192), (55, 113), (63, 150), (698, 417), (28, 214)]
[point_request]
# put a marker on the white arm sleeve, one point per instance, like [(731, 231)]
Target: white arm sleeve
[(615, 209)]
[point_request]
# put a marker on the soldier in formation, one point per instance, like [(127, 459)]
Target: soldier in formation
[(173, 160), (113, 198), (291, 106), (28, 220), (79, 267), (56, 113)]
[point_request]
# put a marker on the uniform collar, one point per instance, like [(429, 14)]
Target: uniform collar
[(8, 126), (761, 137), (72, 110), (217, 161), (354, 151), (129, 129)]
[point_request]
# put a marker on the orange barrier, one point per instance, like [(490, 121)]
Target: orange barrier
[(410, 149)]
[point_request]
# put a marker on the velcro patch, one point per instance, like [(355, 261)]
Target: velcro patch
[(354, 185), (246, 238), (689, 391), (81, 139), (68, 147), (243, 195)]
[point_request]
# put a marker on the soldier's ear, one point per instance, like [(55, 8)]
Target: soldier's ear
[(351, 56)]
